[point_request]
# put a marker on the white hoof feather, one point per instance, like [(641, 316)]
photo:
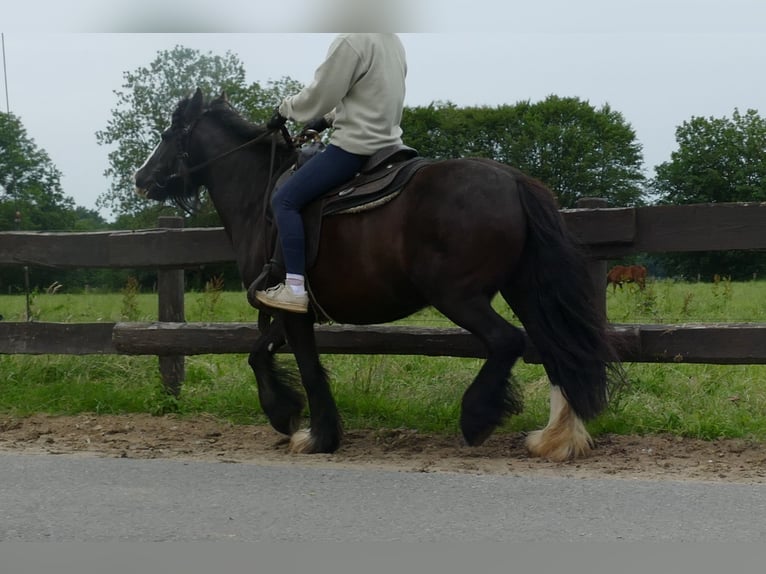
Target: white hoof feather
[(564, 437), (302, 442)]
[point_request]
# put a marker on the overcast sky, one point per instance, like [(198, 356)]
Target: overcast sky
[(658, 62)]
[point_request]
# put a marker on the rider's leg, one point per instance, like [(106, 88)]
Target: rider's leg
[(317, 176)]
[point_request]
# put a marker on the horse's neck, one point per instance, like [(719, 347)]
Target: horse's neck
[(250, 241), (241, 197)]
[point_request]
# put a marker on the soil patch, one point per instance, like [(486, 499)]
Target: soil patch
[(203, 438)]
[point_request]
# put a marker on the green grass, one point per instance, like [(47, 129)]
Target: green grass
[(704, 401)]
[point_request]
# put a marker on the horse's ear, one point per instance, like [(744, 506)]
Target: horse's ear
[(195, 105), (221, 100)]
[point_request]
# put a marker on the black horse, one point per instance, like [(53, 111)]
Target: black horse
[(460, 231)]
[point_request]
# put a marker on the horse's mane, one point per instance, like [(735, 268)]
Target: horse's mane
[(231, 119), (224, 113)]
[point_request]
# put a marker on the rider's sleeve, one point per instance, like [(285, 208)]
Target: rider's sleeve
[(332, 81)]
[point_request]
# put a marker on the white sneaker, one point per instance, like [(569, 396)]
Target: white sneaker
[(282, 297)]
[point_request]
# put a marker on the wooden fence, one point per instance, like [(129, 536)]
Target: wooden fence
[(609, 233)]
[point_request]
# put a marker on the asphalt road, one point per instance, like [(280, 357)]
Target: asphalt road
[(65, 498)]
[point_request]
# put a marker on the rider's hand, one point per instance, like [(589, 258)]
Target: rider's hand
[(276, 121), (318, 125)]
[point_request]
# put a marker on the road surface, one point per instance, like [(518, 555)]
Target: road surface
[(80, 498)]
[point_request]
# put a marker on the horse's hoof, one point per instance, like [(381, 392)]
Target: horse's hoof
[(287, 426), (302, 442), (544, 445), (477, 437)]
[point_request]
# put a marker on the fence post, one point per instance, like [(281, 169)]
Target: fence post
[(596, 267), (170, 291)]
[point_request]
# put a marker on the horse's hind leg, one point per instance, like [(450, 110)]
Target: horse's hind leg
[(325, 431), (491, 397), (280, 400), (564, 437)]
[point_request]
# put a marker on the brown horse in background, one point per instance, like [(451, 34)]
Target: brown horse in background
[(620, 274)]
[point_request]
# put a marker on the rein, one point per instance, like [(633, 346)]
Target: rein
[(183, 155), (285, 134)]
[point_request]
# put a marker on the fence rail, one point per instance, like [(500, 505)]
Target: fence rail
[(714, 343), (608, 233)]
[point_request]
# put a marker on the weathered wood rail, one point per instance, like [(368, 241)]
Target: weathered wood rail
[(608, 233), (714, 343)]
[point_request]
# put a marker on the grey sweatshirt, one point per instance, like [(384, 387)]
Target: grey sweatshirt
[(360, 88)]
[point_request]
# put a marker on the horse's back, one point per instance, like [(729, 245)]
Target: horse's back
[(457, 224)]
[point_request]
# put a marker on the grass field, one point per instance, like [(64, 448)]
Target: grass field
[(703, 401)]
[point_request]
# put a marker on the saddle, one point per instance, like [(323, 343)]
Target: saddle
[(380, 180), (375, 182)]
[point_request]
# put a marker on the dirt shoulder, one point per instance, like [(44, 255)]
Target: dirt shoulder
[(202, 438)]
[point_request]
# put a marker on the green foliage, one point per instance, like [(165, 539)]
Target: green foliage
[(88, 220), (144, 104), (667, 301), (129, 310), (704, 266), (576, 149), (704, 401), (31, 197), (718, 160), (258, 101), (148, 96), (209, 299)]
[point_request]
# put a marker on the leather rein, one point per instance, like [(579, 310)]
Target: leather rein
[(183, 155)]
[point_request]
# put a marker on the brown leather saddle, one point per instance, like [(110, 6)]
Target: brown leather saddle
[(380, 180), (374, 182)]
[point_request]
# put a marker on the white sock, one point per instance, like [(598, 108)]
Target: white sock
[(297, 283)]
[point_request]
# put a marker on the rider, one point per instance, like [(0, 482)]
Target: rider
[(359, 91)]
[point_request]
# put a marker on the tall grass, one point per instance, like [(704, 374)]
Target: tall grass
[(705, 401)]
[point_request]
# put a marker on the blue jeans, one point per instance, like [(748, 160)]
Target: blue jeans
[(317, 176)]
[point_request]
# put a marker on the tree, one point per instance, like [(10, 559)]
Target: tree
[(575, 149), (143, 110), (717, 160), (258, 101), (31, 196), (144, 105), (441, 130), (88, 219)]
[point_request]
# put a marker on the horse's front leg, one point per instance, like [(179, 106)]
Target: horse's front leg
[(325, 431), (280, 400)]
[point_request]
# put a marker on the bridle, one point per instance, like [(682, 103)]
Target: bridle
[(185, 171), (186, 131)]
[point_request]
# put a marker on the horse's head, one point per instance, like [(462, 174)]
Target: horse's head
[(165, 173)]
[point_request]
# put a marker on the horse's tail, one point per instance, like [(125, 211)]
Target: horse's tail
[(555, 298)]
